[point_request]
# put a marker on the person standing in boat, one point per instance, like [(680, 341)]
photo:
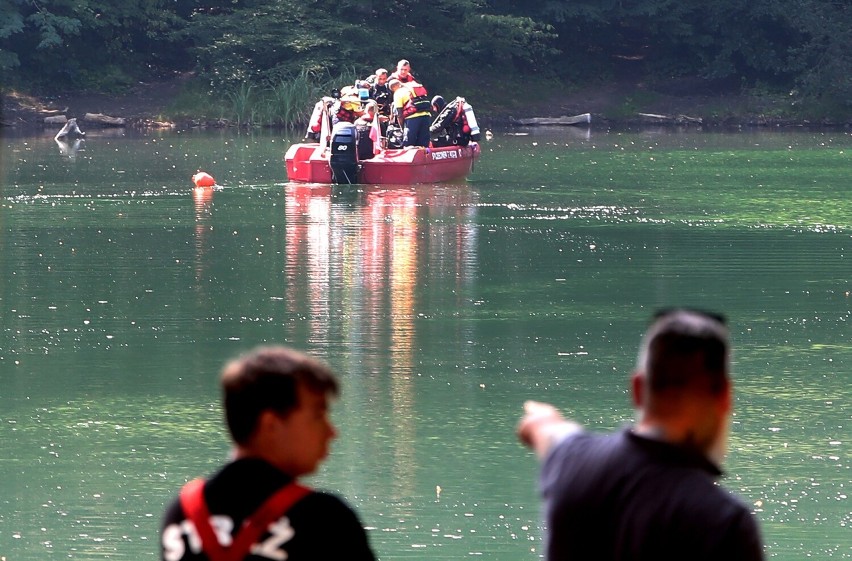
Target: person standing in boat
[(455, 123), (411, 107), (380, 92), (403, 72), (276, 403)]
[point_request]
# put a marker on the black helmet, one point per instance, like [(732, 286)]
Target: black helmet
[(438, 103)]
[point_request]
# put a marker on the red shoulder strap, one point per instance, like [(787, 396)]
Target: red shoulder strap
[(195, 507), (274, 508)]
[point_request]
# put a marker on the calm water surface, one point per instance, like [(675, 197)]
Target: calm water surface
[(123, 290)]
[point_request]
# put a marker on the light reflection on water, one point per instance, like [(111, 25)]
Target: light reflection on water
[(123, 289), (83, 485)]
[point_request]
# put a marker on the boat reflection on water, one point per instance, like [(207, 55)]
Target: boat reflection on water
[(357, 258), (366, 249), (308, 251), (389, 249)]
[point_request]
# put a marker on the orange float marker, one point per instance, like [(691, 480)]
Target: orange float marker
[(203, 179)]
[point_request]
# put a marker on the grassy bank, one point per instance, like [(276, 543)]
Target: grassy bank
[(290, 102), (286, 104)]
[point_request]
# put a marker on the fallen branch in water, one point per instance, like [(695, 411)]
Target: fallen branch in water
[(104, 119), (564, 120), (679, 119)]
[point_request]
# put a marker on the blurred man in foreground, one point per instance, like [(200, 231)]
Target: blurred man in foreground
[(276, 404), (648, 493)]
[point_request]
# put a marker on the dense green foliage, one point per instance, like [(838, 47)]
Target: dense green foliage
[(798, 46)]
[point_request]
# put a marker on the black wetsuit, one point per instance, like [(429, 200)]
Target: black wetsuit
[(448, 127)]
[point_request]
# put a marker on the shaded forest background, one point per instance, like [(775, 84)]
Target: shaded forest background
[(502, 49)]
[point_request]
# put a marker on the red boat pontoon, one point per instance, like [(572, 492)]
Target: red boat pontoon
[(310, 163)]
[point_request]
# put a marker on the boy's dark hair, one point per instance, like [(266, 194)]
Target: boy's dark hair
[(268, 378), (675, 340)]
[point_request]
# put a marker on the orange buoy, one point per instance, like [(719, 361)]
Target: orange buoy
[(203, 179)]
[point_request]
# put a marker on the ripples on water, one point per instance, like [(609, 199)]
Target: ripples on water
[(443, 308)]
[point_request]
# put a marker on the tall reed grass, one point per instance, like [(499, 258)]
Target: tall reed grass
[(287, 103), (242, 103)]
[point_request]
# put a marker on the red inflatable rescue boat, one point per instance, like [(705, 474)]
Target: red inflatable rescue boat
[(346, 154)]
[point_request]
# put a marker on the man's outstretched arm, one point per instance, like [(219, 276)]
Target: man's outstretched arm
[(542, 426)]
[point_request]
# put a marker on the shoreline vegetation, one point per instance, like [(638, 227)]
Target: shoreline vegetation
[(183, 103), (265, 63)]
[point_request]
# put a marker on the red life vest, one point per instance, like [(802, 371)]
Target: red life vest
[(407, 79), (418, 102), (347, 115), (195, 508), (461, 118)]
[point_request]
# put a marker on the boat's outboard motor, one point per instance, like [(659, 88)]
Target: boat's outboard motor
[(344, 158)]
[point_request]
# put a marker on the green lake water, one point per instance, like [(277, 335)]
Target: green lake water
[(443, 307)]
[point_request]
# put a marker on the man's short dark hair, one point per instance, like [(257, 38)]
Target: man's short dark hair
[(269, 378), (676, 339)]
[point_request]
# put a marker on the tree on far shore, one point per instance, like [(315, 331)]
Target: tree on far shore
[(787, 46)]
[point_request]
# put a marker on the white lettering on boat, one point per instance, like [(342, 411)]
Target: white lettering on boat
[(446, 155)]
